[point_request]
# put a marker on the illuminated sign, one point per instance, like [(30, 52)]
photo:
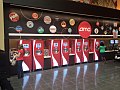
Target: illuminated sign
[(84, 29)]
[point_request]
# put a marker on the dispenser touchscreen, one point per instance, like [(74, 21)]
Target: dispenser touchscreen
[(85, 46), (78, 46), (65, 44), (55, 50), (27, 52), (38, 46)]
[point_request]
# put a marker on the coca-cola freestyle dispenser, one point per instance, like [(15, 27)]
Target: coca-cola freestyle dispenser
[(64, 52), (94, 47), (54, 49), (85, 50), (27, 62), (96, 50), (38, 54), (76, 48)]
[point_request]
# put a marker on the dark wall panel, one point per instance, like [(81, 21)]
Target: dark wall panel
[(68, 7), (25, 15)]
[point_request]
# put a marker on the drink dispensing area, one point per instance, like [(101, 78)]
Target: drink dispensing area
[(54, 40), (61, 52)]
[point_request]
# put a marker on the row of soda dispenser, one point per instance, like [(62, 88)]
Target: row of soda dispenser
[(59, 51)]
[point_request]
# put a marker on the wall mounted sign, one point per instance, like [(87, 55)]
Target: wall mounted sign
[(105, 32), (14, 17), (18, 29), (72, 22), (69, 30), (63, 24), (102, 27), (115, 24), (96, 31), (115, 33), (53, 29), (110, 28), (97, 23), (40, 30), (35, 15), (84, 29), (47, 19), (30, 24)]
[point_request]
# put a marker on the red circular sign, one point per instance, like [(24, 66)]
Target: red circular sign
[(84, 29), (14, 17), (35, 15), (97, 23)]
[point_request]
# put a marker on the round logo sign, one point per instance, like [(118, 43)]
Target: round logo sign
[(115, 24), (30, 24), (102, 27), (53, 29), (96, 30), (35, 15), (97, 23), (18, 28), (14, 17), (72, 22), (40, 29), (69, 30), (63, 24), (110, 28), (105, 32), (47, 19), (84, 29)]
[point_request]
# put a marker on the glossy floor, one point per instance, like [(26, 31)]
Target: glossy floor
[(88, 76)]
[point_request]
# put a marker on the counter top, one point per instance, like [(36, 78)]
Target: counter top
[(89, 53)]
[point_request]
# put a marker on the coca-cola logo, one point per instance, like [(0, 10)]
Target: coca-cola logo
[(84, 29)]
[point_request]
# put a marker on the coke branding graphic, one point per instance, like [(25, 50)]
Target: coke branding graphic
[(84, 29)]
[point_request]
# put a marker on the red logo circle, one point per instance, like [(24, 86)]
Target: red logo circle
[(84, 29), (35, 15), (14, 17)]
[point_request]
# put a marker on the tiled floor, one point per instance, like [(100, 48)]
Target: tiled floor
[(88, 76)]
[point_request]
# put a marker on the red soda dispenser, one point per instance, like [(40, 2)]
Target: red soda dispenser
[(54, 49), (85, 50), (64, 52), (38, 54), (95, 49), (27, 62), (76, 48)]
